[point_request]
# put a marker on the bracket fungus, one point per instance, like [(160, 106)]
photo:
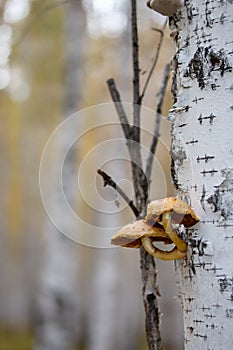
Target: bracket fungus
[(165, 7), (157, 226)]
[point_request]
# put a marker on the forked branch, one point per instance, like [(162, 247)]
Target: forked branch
[(132, 135)]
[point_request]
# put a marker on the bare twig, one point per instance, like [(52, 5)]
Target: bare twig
[(148, 268), (135, 52), (155, 60), (108, 181), (136, 72), (119, 107), (139, 178), (154, 142)]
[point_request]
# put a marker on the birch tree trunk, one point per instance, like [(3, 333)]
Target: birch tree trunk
[(202, 168), (56, 300)]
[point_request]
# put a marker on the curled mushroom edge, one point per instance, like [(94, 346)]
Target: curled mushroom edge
[(173, 254)]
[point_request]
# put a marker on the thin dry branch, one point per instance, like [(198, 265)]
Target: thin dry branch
[(139, 178), (136, 72), (155, 60), (108, 181), (119, 107), (135, 53), (148, 268), (154, 142)]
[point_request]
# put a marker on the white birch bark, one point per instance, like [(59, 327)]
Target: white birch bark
[(201, 149), (57, 300)]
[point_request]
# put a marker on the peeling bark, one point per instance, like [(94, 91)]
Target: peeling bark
[(202, 168)]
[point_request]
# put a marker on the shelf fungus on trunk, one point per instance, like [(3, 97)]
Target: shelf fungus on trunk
[(165, 7), (157, 227)]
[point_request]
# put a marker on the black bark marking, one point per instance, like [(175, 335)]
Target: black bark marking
[(222, 198), (225, 284), (217, 305), (190, 9), (222, 2), (174, 175), (189, 299), (214, 86), (212, 326), (196, 100), (208, 18), (198, 321), (205, 61), (229, 313), (190, 329), (210, 118), (178, 156), (209, 316), (192, 142), (211, 172), (203, 194), (198, 246), (214, 200), (215, 269), (195, 187), (201, 336), (174, 77), (192, 268), (195, 68), (206, 158)]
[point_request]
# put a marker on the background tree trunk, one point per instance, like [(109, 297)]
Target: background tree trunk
[(57, 300), (202, 168)]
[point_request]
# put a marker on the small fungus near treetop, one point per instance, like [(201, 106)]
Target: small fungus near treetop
[(165, 7)]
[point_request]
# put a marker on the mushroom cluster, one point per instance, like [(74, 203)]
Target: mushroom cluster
[(157, 227)]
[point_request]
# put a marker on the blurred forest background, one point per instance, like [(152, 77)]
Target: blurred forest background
[(55, 293)]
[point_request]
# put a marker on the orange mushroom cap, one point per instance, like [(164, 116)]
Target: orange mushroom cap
[(131, 234), (182, 213)]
